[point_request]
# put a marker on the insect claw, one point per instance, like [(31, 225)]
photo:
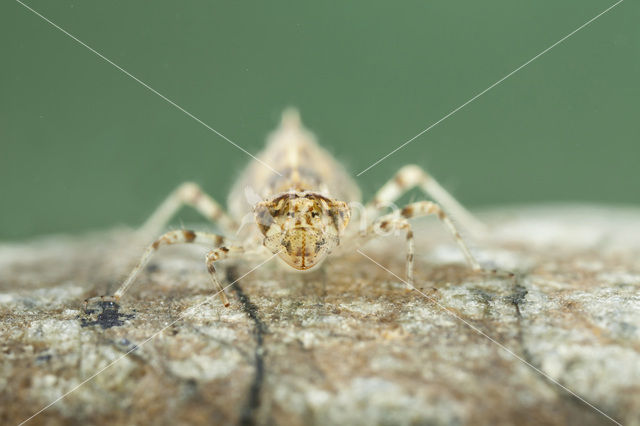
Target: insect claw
[(224, 299)]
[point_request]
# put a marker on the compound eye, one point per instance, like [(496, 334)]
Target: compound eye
[(291, 214), (315, 214)]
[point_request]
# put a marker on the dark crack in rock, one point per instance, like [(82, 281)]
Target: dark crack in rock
[(252, 404), (345, 344)]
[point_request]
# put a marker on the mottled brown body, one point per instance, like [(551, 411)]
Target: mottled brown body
[(302, 165), (298, 217)]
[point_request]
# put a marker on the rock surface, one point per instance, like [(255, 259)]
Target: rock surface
[(346, 344)]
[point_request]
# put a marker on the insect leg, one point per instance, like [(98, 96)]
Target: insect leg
[(424, 208), (411, 176), (215, 255), (394, 221), (389, 223), (190, 194), (170, 238)]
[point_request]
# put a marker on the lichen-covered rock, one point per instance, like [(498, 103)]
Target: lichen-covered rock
[(346, 344)]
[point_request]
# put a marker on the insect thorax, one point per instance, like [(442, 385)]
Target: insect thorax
[(301, 165)]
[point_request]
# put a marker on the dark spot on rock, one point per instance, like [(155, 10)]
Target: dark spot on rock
[(486, 297), (109, 317), (518, 297), (43, 358), (153, 267)]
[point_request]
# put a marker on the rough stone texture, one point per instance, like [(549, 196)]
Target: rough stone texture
[(347, 344)]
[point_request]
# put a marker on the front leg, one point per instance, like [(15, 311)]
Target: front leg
[(170, 238), (192, 195), (412, 176), (424, 208), (388, 223), (215, 255), (393, 221)]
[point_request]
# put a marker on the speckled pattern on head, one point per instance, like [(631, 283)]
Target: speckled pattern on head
[(302, 226)]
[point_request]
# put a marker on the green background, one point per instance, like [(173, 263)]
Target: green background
[(83, 146)]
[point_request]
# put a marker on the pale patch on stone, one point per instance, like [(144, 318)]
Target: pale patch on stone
[(205, 368)]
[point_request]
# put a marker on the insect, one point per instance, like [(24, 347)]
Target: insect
[(302, 212)]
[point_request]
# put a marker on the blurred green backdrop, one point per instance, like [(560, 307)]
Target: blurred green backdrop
[(83, 146)]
